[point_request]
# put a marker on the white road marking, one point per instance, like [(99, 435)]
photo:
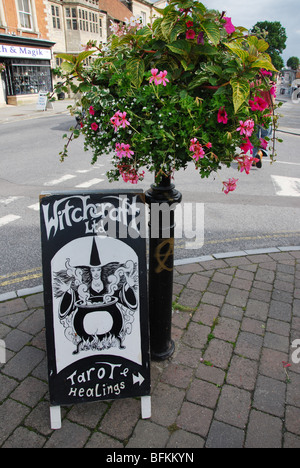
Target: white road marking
[(8, 219), (89, 183), (286, 186), (34, 207), (59, 181), (6, 201), (282, 162)]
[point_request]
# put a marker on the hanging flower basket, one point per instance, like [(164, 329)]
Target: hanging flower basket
[(190, 88)]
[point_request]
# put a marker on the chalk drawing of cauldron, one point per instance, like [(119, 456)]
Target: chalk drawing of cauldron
[(98, 319)]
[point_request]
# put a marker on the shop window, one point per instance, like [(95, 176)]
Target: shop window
[(23, 77), (25, 14), (55, 17)]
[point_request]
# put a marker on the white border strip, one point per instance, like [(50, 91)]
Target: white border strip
[(185, 261)]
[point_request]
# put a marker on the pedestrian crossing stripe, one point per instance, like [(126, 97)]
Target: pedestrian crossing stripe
[(8, 219), (286, 186)]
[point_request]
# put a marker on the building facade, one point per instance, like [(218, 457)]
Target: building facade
[(25, 50), (34, 32)]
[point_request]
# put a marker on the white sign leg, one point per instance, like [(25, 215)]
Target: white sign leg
[(146, 407), (55, 417)]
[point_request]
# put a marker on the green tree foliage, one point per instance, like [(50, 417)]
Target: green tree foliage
[(293, 62), (275, 35)]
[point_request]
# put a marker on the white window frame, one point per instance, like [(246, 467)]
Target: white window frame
[(31, 14)]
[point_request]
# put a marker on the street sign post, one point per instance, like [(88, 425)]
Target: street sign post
[(95, 291)]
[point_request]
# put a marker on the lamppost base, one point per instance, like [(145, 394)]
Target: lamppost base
[(165, 354)]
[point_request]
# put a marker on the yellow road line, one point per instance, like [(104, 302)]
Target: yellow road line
[(21, 279), (17, 273)]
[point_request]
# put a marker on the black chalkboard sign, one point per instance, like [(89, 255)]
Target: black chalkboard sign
[(95, 291)]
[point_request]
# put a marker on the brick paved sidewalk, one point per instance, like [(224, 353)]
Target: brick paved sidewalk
[(225, 386)]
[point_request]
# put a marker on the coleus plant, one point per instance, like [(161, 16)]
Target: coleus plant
[(189, 88)]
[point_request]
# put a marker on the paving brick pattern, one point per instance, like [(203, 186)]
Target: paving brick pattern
[(224, 387)]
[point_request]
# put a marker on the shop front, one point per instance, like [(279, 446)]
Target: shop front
[(27, 70)]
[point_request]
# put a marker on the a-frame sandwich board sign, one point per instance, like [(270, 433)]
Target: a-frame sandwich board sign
[(95, 293)]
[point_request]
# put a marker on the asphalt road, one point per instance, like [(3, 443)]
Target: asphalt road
[(264, 211)]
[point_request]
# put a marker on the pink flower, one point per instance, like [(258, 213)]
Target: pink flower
[(208, 145), (119, 119), (189, 24), (230, 185), (130, 174), (162, 78), (115, 120), (245, 162), (124, 150), (246, 146), (197, 149), (246, 128), (190, 34), (263, 143), (94, 126), (258, 104), (273, 91), (123, 121), (228, 26), (154, 76), (265, 72), (92, 110), (222, 115)]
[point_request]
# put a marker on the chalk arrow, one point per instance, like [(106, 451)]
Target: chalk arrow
[(138, 379)]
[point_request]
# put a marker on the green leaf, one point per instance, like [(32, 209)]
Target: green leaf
[(178, 29), (83, 55), (264, 63), (84, 87), (68, 57), (68, 67), (212, 31), (136, 68), (168, 24), (236, 49), (181, 47), (241, 91)]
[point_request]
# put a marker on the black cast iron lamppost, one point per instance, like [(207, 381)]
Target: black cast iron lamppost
[(162, 199)]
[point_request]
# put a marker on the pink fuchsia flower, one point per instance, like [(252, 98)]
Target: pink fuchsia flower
[(258, 104), (246, 146), (228, 26), (162, 78), (189, 24), (230, 185), (246, 128), (190, 34), (92, 110), (154, 76), (245, 162), (94, 126), (222, 115)]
